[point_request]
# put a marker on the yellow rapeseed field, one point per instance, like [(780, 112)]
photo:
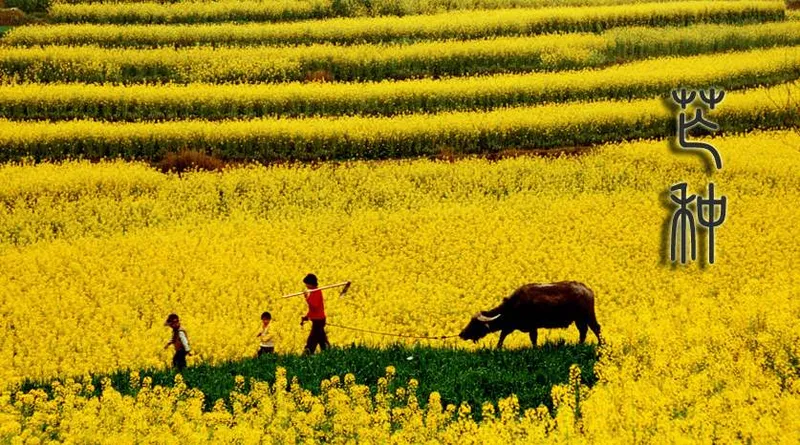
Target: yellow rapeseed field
[(231, 64), (458, 25), (345, 412), (96, 251), (638, 79), (94, 255), (194, 11), (338, 137)]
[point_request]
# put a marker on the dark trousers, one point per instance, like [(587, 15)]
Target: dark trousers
[(265, 350), (317, 337), (179, 360)]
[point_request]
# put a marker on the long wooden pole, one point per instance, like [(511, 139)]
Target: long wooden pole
[(330, 286)]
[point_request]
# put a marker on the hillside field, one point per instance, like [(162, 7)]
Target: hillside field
[(438, 155)]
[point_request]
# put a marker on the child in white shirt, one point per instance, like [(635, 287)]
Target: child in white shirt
[(267, 341)]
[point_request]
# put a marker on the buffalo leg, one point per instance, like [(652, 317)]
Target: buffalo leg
[(534, 336), (503, 334), (595, 326), (582, 330)]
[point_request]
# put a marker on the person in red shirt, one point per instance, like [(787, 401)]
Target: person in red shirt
[(316, 314)]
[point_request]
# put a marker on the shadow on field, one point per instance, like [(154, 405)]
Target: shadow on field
[(458, 375)]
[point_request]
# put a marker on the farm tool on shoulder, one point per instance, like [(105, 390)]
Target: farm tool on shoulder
[(344, 285)]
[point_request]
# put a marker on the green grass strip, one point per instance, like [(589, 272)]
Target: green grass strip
[(458, 375), (322, 138), (454, 25), (648, 78)]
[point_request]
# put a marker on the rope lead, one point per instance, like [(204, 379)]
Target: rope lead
[(441, 337)]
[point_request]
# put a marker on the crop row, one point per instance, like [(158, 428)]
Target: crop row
[(148, 11), (189, 12), (269, 140), (213, 102), (454, 25), (378, 62), (49, 202)]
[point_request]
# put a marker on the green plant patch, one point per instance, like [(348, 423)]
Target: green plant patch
[(474, 377)]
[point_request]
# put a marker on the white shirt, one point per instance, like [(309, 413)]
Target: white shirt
[(266, 338), (184, 340)]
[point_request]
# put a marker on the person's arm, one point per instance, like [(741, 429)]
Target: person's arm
[(310, 304), (184, 341), (304, 318), (268, 337)]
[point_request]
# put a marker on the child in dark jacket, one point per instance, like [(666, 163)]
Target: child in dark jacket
[(179, 340)]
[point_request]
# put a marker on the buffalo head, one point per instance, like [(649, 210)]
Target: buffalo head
[(478, 327)]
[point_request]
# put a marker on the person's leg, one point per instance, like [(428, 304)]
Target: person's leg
[(179, 360), (313, 338), (323, 336)]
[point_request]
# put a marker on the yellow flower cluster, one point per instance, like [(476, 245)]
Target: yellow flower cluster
[(282, 413), (95, 255), (460, 25), (639, 79)]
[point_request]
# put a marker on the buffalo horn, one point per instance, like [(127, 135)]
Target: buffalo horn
[(485, 319)]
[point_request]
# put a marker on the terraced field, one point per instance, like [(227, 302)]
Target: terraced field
[(438, 153), (384, 77)]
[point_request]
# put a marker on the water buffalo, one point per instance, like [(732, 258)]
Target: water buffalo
[(534, 306)]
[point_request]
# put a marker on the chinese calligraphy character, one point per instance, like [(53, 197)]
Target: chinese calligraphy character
[(710, 223), (684, 99), (708, 216), (684, 218)]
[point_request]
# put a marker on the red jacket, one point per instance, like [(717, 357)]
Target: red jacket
[(316, 306)]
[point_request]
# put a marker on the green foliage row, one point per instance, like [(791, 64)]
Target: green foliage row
[(29, 5), (379, 62), (458, 375)]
